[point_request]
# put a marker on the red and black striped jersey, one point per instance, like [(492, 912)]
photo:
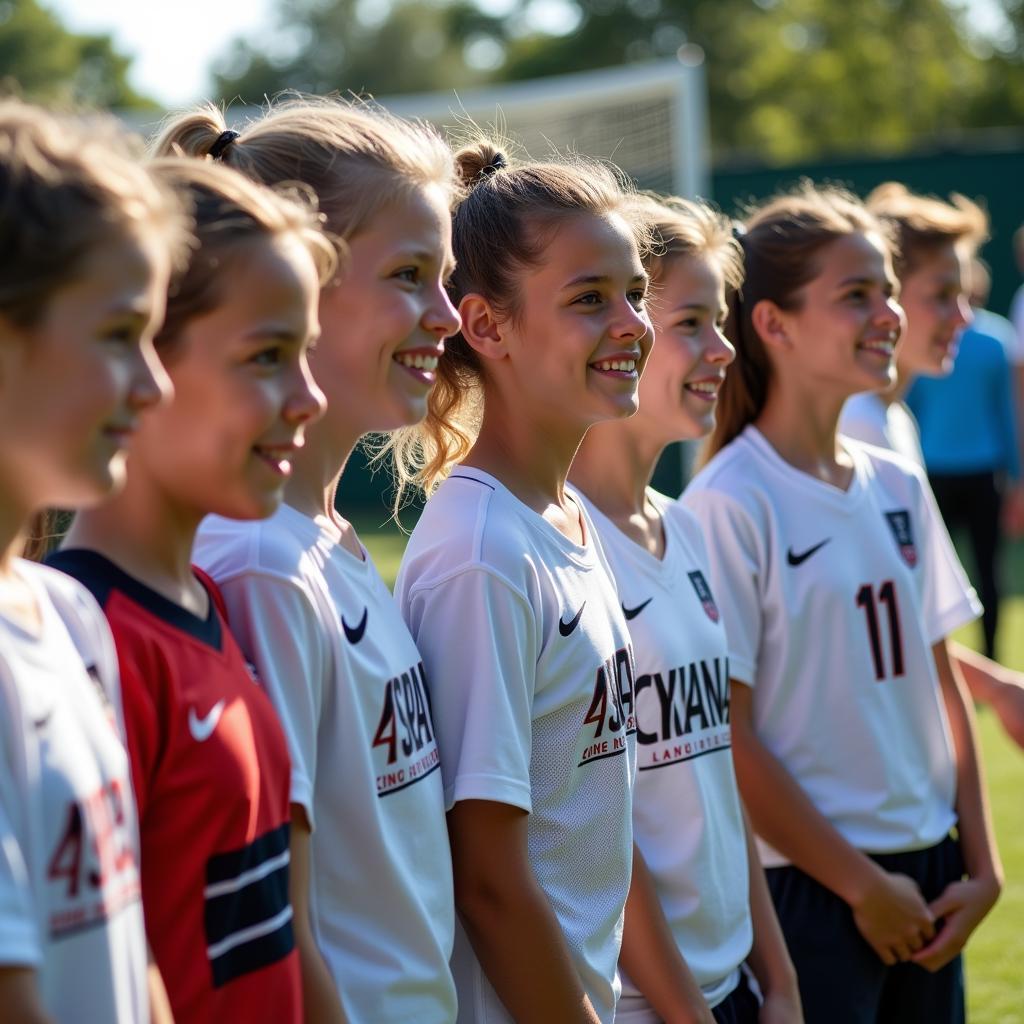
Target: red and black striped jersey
[(211, 773)]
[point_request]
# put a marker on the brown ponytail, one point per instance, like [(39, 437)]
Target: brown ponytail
[(781, 241)]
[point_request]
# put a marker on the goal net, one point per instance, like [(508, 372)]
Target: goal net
[(648, 118)]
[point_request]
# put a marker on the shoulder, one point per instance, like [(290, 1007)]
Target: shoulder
[(226, 548), (73, 599), (469, 524), (887, 470), (864, 417)]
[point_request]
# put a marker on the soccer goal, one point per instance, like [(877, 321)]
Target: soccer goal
[(649, 118)]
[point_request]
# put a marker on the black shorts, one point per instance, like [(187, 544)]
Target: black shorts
[(740, 1006), (842, 980)]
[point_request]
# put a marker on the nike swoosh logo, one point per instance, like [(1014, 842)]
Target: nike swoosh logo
[(565, 628), (202, 728), (796, 559), (632, 613), (355, 633)]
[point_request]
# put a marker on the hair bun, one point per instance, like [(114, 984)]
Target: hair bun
[(479, 160)]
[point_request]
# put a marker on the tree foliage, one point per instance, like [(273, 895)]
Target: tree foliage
[(787, 79), (42, 60)]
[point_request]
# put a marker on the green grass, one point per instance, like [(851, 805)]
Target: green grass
[(995, 957)]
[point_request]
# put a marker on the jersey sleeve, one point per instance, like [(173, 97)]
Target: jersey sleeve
[(19, 936), (948, 599), (733, 559), (478, 637), (278, 629)]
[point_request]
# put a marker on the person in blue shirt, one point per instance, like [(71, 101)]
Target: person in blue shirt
[(969, 437)]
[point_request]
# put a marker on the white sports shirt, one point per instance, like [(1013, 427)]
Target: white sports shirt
[(70, 903), (891, 425), (832, 601), (532, 672), (687, 820), (330, 646)]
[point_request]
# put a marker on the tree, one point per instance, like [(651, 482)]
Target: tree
[(42, 60), (786, 80)]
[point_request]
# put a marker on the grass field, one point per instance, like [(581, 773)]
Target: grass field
[(995, 959)]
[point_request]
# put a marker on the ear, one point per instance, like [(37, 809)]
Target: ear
[(481, 327), (770, 322)]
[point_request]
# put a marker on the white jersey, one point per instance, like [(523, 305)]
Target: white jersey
[(832, 601), (330, 646), (687, 820), (891, 425), (70, 897), (532, 671)]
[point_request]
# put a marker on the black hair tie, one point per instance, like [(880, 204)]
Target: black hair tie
[(223, 141), (498, 163), (739, 231)]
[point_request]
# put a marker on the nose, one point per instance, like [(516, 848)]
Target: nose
[(718, 349), (632, 324), (149, 384), (305, 402), (441, 317), (892, 315)]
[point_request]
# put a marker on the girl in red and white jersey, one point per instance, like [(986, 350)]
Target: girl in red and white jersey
[(209, 759), (687, 816), (374, 901), (853, 742), (508, 594), (88, 239)]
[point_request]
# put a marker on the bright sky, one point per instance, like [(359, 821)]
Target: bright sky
[(174, 44)]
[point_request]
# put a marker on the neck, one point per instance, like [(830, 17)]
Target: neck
[(14, 519), (317, 467), (530, 456), (614, 466), (904, 378), (146, 534), (801, 426)]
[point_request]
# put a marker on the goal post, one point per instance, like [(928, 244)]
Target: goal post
[(648, 118)]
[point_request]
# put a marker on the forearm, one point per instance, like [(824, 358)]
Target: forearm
[(769, 958), (159, 1003), (651, 957), (521, 948), (977, 839), (783, 814), (983, 676)]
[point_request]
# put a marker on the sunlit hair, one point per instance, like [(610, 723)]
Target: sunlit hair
[(923, 225), (684, 228), (229, 213), (504, 225), (782, 243), (355, 156), (67, 187)]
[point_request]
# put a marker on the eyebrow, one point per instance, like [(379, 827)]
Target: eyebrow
[(642, 278)]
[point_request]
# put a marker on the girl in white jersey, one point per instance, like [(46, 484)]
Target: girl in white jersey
[(853, 743), (687, 816), (936, 239), (369, 843), (508, 595), (87, 239)]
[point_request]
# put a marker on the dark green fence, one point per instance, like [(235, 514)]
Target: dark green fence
[(991, 171)]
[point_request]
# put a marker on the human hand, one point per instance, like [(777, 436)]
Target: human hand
[(961, 905), (893, 917), (1013, 512), (781, 1007)]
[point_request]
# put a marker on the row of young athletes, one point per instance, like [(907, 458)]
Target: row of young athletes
[(303, 856)]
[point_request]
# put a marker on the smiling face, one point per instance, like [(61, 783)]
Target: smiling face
[(73, 386), (580, 335), (243, 391), (933, 297), (679, 388), (842, 335), (385, 320)]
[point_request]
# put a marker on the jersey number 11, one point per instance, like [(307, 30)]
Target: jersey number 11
[(867, 600)]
